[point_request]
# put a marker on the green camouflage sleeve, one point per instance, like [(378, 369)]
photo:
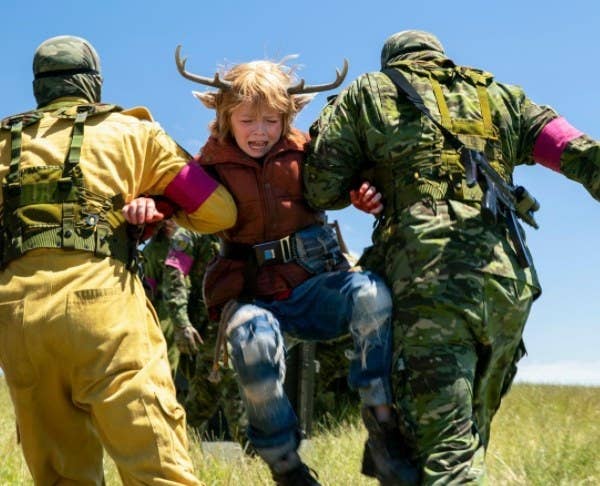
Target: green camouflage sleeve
[(176, 282), (581, 162), (205, 249), (177, 292), (527, 120), (334, 159), (153, 265)]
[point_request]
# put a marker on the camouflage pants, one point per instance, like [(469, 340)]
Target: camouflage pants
[(332, 392), (205, 400), (457, 341)]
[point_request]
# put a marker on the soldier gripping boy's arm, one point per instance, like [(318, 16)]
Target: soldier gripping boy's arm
[(462, 283), (79, 344)]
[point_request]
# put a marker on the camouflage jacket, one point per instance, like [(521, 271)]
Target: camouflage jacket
[(153, 260), (431, 226), (188, 256)]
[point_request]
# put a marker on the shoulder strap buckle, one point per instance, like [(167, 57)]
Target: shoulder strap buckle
[(64, 184)]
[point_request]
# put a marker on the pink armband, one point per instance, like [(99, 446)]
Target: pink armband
[(179, 260), (551, 142), (191, 187)]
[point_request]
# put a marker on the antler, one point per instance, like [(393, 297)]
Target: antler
[(299, 88), (216, 82)]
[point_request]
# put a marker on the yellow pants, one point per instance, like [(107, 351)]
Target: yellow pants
[(85, 362)]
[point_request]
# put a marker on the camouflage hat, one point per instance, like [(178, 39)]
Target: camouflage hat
[(66, 66), (408, 42)]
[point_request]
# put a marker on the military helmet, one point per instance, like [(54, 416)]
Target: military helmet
[(66, 65), (65, 54), (409, 42)]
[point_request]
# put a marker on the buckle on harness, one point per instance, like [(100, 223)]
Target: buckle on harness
[(14, 189), (275, 251), (64, 184)]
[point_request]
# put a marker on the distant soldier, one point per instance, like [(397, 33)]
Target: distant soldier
[(332, 392), (195, 337), (81, 350), (438, 143), (154, 254)]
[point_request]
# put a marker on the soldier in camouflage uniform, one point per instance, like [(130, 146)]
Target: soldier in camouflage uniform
[(154, 254), (333, 395), (195, 334), (461, 293)]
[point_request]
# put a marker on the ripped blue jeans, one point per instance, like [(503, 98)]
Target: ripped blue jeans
[(324, 307)]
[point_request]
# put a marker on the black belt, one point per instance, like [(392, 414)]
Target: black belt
[(267, 253)]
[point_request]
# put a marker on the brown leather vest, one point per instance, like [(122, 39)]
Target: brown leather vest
[(271, 205)]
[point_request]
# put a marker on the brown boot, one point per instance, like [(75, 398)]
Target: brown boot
[(291, 471), (385, 455)]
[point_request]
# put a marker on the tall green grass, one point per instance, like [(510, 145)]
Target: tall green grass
[(543, 435)]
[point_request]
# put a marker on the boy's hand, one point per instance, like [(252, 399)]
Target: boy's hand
[(142, 210), (367, 199)]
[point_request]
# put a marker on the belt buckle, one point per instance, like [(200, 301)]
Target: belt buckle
[(275, 251), (286, 249)]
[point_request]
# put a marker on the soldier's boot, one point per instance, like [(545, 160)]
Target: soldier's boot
[(291, 471), (385, 454)]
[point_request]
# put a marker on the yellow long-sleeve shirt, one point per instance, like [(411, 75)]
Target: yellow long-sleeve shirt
[(80, 344), (123, 153)]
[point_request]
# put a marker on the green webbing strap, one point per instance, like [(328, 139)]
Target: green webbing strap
[(408, 89), (441, 101), (107, 237), (486, 113), (16, 130), (427, 190), (415, 98), (76, 141), (103, 242), (439, 189), (68, 227)]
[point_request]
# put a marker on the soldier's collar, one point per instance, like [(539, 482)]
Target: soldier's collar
[(64, 102)]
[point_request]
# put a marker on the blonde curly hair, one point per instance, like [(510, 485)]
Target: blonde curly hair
[(264, 84)]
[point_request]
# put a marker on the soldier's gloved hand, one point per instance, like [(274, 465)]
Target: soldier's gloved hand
[(187, 339)]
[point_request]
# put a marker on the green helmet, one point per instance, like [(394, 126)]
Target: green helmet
[(66, 66), (410, 44)]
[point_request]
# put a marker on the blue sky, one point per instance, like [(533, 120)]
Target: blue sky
[(547, 47)]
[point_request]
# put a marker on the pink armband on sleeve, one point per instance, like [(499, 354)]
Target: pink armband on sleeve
[(179, 260), (191, 187), (551, 142)]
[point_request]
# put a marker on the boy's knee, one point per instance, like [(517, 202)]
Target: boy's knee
[(372, 306), (244, 320), (256, 345)]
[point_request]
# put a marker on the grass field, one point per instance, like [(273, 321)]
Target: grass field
[(543, 435)]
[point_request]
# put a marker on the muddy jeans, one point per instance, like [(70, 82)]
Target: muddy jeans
[(324, 307)]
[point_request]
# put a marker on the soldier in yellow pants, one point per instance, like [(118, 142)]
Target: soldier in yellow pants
[(81, 348)]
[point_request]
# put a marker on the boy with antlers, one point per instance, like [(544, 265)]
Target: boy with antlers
[(281, 269)]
